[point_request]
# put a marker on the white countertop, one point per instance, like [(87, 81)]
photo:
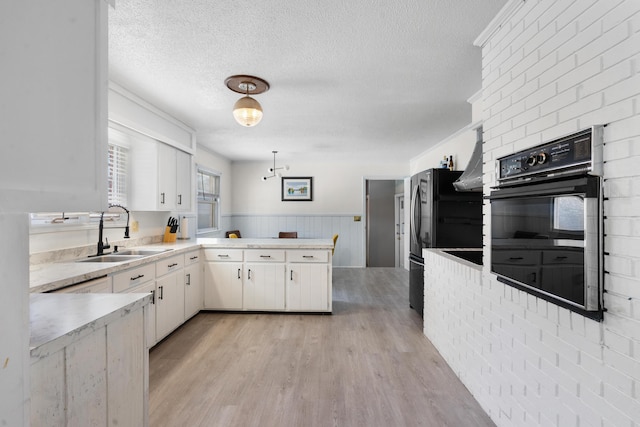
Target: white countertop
[(56, 320), (57, 275)]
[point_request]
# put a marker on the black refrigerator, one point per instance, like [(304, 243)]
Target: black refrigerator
[(441, 217)]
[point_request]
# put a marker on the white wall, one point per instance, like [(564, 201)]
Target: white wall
[(459, 145), (338, 196), (551, 68)]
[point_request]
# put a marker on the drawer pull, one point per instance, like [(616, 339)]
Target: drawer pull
[(188, 278), (561, 258), (239, 274), (161, 288), (139, 276), (249, 276), (193, 257), (307, 256), (172, 265), (516, 258), (162, 198), (265, 256), (153, 296), (291, 276), (223, 256)]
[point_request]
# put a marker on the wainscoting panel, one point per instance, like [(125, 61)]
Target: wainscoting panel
[(349, 250)]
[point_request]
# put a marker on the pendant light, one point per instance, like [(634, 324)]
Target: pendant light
[(247, 111), (273, 169)]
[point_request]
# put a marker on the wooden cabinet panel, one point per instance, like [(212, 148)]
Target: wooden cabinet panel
[(133, 277), (169, 304), (223, 285), (193, 289), (307, 287), (263, 287)]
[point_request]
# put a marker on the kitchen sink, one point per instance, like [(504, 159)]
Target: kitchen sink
[(111, 258), (139, 252)]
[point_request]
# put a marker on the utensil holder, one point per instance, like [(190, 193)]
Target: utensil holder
[(169, 237)]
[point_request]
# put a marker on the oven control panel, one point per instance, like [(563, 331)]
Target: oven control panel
[(574, 153)]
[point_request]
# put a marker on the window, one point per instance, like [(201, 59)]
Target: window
[(208, 200), (117, 175)]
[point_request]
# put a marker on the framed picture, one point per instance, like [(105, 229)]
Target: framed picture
[(297, 189)]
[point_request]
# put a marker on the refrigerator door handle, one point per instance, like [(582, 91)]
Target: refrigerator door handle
[(417, 215)]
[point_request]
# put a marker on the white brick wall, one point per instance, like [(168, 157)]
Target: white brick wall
[(550, 69)]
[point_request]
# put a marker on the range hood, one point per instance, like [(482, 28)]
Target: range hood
[(471, 178)]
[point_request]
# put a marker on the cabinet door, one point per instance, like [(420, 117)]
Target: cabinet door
[(183, 181), (54, 106), (166, 177), (223, 285), (193, 290), (307, 287), (263, 287), (149, 287), (169, 304)]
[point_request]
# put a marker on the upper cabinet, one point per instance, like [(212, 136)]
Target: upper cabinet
[(54, 105), (161, 147)]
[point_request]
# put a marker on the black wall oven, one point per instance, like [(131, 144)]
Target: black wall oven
[(546, 222)]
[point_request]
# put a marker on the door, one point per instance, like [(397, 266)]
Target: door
[(263, 287), (381, 223), (223, 286), (399, 217)]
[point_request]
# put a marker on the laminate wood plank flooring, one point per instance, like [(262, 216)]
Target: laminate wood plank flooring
[(367, 364)]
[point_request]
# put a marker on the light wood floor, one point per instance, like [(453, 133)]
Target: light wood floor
[(368, 364)]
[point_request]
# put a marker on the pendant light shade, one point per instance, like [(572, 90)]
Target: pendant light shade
[(247, 111)]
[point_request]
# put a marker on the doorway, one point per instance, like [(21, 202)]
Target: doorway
[(384, 222)]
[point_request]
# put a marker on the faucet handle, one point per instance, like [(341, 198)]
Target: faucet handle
[(106, 245)]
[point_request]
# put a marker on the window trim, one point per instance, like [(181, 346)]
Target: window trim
[(218, 215)]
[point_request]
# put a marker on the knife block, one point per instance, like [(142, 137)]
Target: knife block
[(169, 237)]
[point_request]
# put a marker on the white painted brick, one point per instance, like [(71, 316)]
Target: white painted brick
[(581, 107), (622, 207), (562, 36), (594, 349), (623, 402), (542, 94), (512, 110), (627, 128), (618, 305), (560, 129), (496, 110), (561, 68), (619, 265), (539, 39), (624, 50), (559, 101), (518, 122), (551, 11), (542, 65), (544, 122), (524, 91), (623, 326), (595, 13), (619, 14), (605, 79), (608, 114), (623, 286), (601, 44), (624, 89), (579, 74), (615, 150)]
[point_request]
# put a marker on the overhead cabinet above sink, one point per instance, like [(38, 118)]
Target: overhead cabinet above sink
[(160, 177)]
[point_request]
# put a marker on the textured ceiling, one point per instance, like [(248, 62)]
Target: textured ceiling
[(367, 78)]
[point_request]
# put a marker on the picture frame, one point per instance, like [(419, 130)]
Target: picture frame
[(297, 188)]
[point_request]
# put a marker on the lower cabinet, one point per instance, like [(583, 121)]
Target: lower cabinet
[(169, 295), (267, 280), (307, 287), (193, 286), (263, 287), (149, 287)]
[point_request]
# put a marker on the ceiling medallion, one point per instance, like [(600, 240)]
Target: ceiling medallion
[(247, 111)]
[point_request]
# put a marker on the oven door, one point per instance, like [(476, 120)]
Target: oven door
[(546, 238)]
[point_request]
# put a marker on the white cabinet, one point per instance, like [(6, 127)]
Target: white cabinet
[(223, 276), (149, 287), (193, 286), (169, 295), (268, 280), (308, 280), (263, 285), (54, 106), (160, 176)]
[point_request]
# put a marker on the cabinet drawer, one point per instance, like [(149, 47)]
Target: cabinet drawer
[(308, 256), (134, 277), (264, 255), (191, 258), (223, 254), (169, 264)]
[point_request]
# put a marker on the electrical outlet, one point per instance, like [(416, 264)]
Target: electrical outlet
[(357, 218), (135, 226)]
